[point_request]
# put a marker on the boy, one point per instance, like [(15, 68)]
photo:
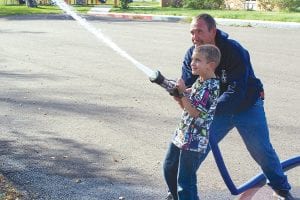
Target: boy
[(191, 136)]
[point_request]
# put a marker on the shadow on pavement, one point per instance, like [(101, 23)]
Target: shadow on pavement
[(69, 170)]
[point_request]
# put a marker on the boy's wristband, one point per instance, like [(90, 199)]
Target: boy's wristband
[(183, 94), (175, 92)]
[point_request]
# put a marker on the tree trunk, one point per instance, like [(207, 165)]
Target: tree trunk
[(165, 3), (31, 3), (80, 2), (21, 2)]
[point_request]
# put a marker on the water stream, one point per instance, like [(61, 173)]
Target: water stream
[(97, 32)]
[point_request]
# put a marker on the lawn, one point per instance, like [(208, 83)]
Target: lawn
[(154, 8), (231, 14), (24, 10)]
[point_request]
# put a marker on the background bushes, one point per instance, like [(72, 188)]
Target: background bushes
[(203, 4), (269, 5)]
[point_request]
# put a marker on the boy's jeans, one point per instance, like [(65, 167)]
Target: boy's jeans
[(180, 169), (252, 126)]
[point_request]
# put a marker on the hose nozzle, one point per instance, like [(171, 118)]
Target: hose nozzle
[(169, 85)]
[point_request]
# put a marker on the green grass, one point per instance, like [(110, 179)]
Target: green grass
[(145, 3), (154, 8), (83, 9), (231, 14), (24, 10)]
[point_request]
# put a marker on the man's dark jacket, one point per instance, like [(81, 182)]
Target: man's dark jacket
[(240, 89)]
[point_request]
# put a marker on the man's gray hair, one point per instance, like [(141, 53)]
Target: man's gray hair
[(209, 20)]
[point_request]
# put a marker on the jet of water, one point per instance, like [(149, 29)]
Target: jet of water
[(70, 11)]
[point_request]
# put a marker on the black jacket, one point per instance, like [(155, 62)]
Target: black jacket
[(240, 89)]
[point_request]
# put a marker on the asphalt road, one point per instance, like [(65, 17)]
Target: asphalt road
[(78, 121)]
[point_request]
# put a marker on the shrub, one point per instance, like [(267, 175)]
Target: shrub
[(269, 5), (203, 4), (288, 4), (124, 4), (177, 3)]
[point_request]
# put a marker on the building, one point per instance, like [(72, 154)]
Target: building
[(242, 4)]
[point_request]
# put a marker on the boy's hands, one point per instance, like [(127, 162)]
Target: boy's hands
[(180, 85)]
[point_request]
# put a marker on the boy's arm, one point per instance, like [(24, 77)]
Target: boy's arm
[(186, 104), (178, 99)]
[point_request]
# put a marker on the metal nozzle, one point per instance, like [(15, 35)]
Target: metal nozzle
[(169, 85), (156, 77)]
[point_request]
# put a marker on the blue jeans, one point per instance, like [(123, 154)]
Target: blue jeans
[(252, 126), (180, 167)]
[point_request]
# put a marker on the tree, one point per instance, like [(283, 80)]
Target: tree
[(21, 2), (31, 3), (203, 4)]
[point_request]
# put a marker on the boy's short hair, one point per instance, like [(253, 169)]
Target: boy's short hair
[(210, 52)]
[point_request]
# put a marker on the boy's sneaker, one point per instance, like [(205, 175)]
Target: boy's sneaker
[(169, 197), (283, 195)]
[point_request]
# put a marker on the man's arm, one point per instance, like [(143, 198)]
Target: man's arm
[(237, 80)]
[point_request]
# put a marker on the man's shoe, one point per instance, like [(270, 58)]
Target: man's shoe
[(283, 195), (169, 197)]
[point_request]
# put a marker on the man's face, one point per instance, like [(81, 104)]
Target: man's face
[(200, 33)]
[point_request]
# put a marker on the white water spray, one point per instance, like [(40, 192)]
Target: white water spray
[(69, 10)]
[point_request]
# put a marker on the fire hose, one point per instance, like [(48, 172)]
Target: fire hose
[(256, 180)]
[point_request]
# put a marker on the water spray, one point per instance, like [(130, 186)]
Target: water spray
[(170, 86), (97, 32), (154, 76)]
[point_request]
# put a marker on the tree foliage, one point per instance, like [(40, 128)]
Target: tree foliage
[(31, 3), (124, 4), (270, 5), (288, 4), (203, 4)]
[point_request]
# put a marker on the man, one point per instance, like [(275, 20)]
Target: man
[(240, 103)]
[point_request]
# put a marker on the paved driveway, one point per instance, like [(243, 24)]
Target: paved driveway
[(78, 121)]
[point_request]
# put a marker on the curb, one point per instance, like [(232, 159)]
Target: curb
[(142, 17), (258, 23)]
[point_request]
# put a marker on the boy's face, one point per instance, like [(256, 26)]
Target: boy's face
[(199, 64)]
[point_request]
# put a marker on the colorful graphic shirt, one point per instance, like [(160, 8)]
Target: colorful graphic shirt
[(192, 133)]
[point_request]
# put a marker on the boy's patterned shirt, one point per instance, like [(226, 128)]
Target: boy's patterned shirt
[(192, 133)]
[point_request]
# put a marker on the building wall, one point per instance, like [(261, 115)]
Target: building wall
[(234, 4), (241, 4)]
